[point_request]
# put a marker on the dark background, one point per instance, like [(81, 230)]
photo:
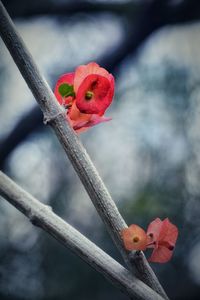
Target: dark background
[(148, 155)]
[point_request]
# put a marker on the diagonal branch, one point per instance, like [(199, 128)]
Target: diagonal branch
[(42, 215), (54, 114)]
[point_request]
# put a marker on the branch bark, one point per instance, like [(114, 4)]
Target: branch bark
[(42, 216), (55, 116)]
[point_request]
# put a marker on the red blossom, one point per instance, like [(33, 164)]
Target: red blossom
[(134, 238), (162, 238), (94, 88), (85, 94)]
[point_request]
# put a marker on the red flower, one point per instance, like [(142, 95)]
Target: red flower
[(86, 94), (162, 237), (134, 238), (94, 88)]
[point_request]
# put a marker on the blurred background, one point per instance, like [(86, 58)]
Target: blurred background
[(148, 155)]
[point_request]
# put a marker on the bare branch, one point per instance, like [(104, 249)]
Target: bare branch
[(42, 215), (55, 116)]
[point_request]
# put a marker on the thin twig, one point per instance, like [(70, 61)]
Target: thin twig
[(76, 152), (42, 216)]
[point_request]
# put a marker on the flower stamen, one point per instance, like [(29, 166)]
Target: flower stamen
[(89, 95), (136, 239)]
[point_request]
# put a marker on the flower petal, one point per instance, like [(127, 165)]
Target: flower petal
[(154, 229), (84, 70), (169, 232), (102, 94), (162, 236), (134, 238), (81, 122), (161, 255)]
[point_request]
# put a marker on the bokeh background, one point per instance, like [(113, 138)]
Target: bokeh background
[(148, 155)]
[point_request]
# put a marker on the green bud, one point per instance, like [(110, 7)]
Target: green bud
[(66, 90)]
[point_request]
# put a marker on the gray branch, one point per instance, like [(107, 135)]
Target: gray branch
[(55, 116), (42, 216)]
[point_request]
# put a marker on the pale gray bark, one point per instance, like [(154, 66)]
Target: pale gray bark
[(54, 114), (42, 215)]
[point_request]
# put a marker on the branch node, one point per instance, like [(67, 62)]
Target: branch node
[(47, 119), (135, 255), (33, 218)]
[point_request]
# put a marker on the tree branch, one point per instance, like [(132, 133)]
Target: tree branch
[(42, 216), (55, 116), (187, 10), (67, 8), (151, 16), (30, 122)]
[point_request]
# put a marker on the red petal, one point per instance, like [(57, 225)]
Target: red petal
[(169, 232), (75, 115), (137, 233), (65, 78), (163, 238), (103, 91), (83, 71), (161, 255), (154, 229), (96, 119), (84, 125), (81, 122)]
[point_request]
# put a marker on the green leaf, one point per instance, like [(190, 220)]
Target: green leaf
[(66, 90)]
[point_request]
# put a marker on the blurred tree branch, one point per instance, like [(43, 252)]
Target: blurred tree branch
[(182, 11), (143, 19), (55, 115), (42, 216), (30, 122), (67, 8)]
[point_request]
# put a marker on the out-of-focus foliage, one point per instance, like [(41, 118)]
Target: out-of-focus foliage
[(148, 156)]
